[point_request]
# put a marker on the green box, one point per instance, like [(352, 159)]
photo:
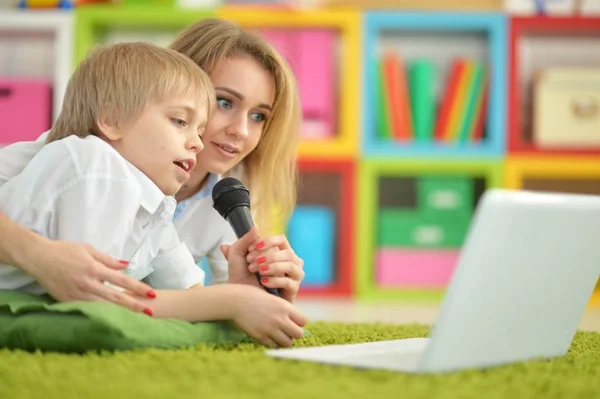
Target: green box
[(402, 228), (445, 196)]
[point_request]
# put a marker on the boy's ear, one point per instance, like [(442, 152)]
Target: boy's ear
[(107, 123)]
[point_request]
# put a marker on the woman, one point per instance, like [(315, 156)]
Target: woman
[(253, 135)]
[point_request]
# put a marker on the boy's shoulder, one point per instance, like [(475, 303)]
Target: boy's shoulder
[(88, 155)]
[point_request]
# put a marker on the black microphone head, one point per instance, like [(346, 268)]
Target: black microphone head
[(228, 194)]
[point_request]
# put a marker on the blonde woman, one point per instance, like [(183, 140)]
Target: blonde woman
[(253, 135)]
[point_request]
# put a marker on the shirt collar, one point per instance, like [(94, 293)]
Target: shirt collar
[(153, 199)]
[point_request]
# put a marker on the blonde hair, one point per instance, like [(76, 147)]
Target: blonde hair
[(121, 79), (270, 171)]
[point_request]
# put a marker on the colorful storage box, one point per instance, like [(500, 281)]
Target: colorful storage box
[(445, 197), (402, 228), (311, 232), (25, 109), (310, 53), (415, 267)]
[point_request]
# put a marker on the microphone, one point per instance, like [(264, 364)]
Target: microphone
[(232, 200)]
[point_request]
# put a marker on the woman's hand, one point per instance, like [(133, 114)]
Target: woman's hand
[(278, 265), (72, 271)]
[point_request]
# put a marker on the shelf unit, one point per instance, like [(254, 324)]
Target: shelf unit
[(492, 26), (524, 31), (369, 172), (59, 25), (355, 154), (345, 172)]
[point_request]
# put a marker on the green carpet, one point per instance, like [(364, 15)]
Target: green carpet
[(243, 371)]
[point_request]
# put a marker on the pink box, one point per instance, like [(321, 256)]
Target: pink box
[(415, 267), (311, 55), (25, 109), (316, 78)]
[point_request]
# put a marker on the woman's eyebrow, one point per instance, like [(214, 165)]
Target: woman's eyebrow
[(240, 96)]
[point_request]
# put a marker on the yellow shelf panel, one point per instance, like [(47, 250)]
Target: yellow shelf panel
[(516, 169)]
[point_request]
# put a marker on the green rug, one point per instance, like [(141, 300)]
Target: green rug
[(243, 371)]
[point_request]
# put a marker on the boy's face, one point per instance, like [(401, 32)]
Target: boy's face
[(164, 140)]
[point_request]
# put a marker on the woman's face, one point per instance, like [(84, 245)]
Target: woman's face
[(245, 95)]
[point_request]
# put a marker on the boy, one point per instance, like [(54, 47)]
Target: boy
[(123, 145)]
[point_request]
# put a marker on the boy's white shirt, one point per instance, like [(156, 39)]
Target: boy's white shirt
[(197, 212), (83, 190)]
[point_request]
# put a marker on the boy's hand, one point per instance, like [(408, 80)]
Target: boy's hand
[(236, 259), (270, 320)]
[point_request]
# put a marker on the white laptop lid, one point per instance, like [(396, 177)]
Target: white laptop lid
[(526, 273)]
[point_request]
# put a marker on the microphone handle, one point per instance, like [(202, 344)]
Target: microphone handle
[(241, 221)]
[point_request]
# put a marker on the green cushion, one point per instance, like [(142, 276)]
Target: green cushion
[(33, 323)]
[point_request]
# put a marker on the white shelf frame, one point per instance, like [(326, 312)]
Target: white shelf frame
[(60, 24)]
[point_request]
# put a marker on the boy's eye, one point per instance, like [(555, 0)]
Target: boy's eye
[(178, 122), (223, 103)]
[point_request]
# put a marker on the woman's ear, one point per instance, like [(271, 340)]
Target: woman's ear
[(108, 126)]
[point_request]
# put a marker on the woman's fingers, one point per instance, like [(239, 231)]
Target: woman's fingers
[(279, 241), (281, 269), (128, 300), (113, 275), (274, 256)]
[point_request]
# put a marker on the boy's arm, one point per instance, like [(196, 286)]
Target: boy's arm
[(17, 244)]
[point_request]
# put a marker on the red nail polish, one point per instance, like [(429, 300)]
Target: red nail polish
[(264, 280), (123, 262), (260, 245), (263, 268), (261, 259), (148, 311), (151, 294)]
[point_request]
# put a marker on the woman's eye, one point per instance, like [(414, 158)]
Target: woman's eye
[(178, 122), (223, 103), (258, 117)]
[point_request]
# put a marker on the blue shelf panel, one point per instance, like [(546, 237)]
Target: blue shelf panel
[(434, 150), (495, 26)]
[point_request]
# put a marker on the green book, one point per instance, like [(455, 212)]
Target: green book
[(422, 98)]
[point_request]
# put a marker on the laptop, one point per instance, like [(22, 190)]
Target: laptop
[(526, 272)]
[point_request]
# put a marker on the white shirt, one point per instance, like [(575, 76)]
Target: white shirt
[(197, 214), (198, 224), (83, 190)]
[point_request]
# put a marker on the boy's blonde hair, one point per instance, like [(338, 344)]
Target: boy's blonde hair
[(118, 81), (270, 171)]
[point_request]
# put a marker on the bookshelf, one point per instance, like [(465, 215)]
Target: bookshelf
[(367, 179), (426, 45)]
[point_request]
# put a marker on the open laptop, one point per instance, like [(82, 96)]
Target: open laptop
[(526, 273)]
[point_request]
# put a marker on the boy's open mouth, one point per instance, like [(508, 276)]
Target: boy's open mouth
[(186, 165)]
